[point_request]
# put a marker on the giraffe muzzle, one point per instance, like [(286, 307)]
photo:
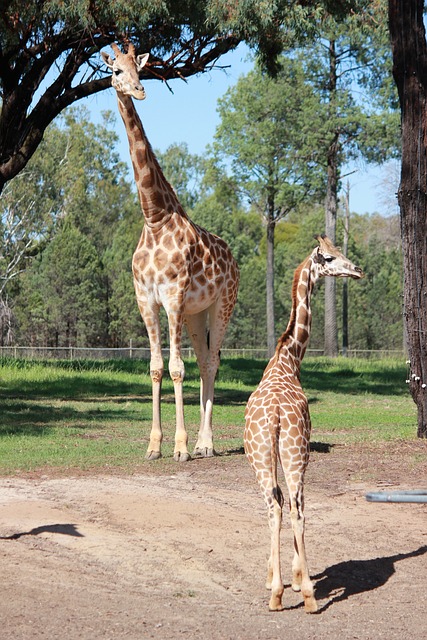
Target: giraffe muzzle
[(138, 93), (359, 273)]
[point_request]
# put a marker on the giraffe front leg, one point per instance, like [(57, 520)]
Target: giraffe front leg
[(180, 453), (150, 316), (154, 447), (177, 372)]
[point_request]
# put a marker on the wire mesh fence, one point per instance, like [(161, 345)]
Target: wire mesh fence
[(142, 353)]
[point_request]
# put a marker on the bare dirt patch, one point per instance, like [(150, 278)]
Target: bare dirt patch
[(168, 555)]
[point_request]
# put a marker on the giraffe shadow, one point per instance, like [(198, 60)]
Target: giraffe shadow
[(237, 451), (345, 579), (321, 447), (63, 529)]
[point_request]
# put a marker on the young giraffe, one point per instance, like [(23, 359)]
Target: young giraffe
[(176, 265), (278, 422)]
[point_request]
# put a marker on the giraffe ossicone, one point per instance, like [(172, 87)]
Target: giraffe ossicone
[(277, 422), (177, 265)]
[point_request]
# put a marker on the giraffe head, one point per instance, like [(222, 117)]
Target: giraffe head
[(126, 68), (329, 261)]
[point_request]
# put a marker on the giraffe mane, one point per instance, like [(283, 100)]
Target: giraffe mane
[(291, 324)]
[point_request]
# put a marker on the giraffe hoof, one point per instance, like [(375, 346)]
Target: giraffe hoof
[(275, 604), (178, 456), (153, 455), (204, 452), (310, 605)]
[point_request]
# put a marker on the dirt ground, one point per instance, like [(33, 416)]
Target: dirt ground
[(183, 554)]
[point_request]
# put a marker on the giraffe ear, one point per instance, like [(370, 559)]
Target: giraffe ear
[(107, 59), (319, 257), (141, 60)]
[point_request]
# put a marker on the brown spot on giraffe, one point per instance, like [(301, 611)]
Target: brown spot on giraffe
[(277, 422)]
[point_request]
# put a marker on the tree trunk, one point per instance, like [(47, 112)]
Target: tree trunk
[(409, 49), (331, 331), (271, 330), (345, 281)]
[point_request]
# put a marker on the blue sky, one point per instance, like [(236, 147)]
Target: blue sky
[(189, 115)]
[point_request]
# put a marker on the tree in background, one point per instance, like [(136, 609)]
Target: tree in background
[(69, 301), (124, 318), (76, 177), (49, 53), (184, 171), (409, 47), (266, 131), (219, 209), (349, 64)]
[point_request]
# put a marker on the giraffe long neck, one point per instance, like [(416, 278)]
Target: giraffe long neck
[(295, 338), (157, 197)]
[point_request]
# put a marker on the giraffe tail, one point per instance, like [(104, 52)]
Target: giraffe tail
[(277, 492)]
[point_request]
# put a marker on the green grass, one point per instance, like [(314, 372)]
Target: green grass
[(97, 414)]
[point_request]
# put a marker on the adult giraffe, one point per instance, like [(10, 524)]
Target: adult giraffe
[(278, 421), (177, 265)]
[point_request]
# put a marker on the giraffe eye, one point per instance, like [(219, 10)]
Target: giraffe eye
[(117, 72), (329, 258)]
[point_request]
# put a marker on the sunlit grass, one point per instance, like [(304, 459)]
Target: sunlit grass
[(97, 415)]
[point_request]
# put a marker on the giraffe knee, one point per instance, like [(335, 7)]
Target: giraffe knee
[(156, 375), (177, 376)]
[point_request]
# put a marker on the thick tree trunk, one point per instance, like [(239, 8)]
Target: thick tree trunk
[(408, 40), (271, 330), (345, 280), (331, 330)]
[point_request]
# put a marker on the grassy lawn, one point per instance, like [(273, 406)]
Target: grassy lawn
[(97, 414)]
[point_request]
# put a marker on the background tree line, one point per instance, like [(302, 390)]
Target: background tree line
[(79, 222)]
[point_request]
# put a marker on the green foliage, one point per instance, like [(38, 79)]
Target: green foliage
[(85, 222), (72, 296), (125, 321), (184, 172), (85, 237), (266, 131), (349, 64)]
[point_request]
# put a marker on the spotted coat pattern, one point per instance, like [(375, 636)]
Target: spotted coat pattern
[(277, 422), (177, 265)]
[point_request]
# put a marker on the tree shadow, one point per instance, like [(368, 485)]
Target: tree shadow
[(345, 579), (20, 417), (382, 380), (63, 529)]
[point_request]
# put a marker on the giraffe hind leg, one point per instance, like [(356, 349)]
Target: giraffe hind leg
[(301, 579), (274, 574), (196, 326), (218, 317)]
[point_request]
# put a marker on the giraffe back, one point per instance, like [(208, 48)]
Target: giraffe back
[(277, 412)]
